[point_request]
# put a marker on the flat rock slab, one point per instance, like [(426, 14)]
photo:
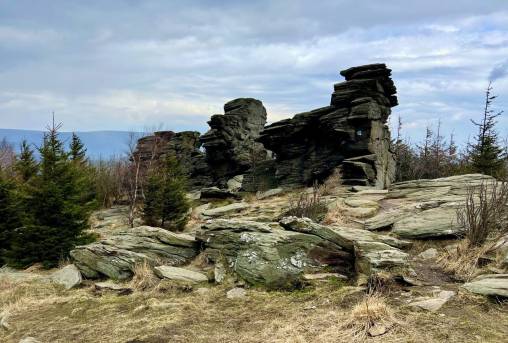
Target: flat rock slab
[(324, 276), (179, 274), (354, 202), (269, 193), (433, 223), (69, 276), (490, 284), (434, 304), (224, 210)]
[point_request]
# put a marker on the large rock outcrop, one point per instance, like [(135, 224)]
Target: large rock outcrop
[(277, 256), (230, 144), (351, 133), (117, 255)]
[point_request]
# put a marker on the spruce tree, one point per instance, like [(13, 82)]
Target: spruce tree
[(10, 215), (165, 196), (26, 167), (174, 206), (59, 206), (152, 200), (77, 149), (486, 154)]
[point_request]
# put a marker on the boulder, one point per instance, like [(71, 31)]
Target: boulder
[(235, 183), (236, 293), (270, 256), (491, 284), (69, 276), (117, 255), (179, 274)]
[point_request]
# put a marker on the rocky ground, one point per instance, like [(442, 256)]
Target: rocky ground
[(376, 268)]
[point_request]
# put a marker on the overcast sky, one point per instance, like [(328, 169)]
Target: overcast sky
[(127, 65)]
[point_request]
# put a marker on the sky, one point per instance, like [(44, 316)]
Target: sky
[(171, 64)]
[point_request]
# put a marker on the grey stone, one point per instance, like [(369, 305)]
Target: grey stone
[(428, 254), (235, 183), (236, 293), (435, 303), (179, 274), (69, 276), (490, 284)]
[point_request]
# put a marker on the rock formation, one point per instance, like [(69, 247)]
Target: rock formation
[(184, 146), (351, 132), (230, 144)]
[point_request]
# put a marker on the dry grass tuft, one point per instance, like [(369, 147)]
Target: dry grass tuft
[(336, 216), (331, 183), (464, 261), (144, 279), (371, 314)]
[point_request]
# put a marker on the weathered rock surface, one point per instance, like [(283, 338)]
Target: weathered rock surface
[(182, 145), (490, 284), (217, 193), (435, 303), (179, 274), (273, 257), (117, 255), (424, 209), (69, 276), (230, 144), (224, 210), (372, 252), (350, 132)]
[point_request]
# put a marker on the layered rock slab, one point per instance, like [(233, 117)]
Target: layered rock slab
[(230, 143), (117, 255), (351, 133)]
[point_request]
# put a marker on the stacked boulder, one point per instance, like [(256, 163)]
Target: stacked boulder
[(351, 133), (230, 143)]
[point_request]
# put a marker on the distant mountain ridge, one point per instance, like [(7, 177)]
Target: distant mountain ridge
[(99, 144)]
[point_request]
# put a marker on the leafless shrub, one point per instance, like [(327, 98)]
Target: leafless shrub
[(485, 212), (7, 155), (308, 205)]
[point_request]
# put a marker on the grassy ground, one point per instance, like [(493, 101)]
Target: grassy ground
[(323, 313)]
